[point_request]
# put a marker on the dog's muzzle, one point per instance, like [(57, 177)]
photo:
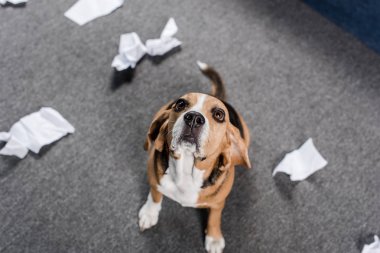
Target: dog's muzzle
[(193, 127)]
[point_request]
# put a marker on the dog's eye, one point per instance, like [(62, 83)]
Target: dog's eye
[(218, 114), (180, 105)]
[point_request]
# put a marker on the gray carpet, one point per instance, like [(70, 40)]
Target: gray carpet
[(289, 71)]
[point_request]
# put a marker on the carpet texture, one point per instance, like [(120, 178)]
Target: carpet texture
[(290, 72)]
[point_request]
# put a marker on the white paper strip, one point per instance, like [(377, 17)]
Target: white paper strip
[(35, 131), (85, 11), (131, 50), (13, 1), (373, 247), (166, 42), (302, 162)]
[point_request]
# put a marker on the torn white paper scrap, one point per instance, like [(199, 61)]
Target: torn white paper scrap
[(4, 136), (85, 11), (13, 147), (13, 1), (35, 131), (301, 163), (131, 50), (373, 247), (166, 42)]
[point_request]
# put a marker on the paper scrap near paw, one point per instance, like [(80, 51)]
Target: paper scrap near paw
[(166, 42), (85, 11), (131, 50), (2, 2), (301, 163), (373, 247), (34, 131)]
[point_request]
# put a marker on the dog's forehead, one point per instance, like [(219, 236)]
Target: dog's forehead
[(206, 100)]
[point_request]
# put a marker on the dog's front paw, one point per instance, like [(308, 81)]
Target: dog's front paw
[(148, 214), (147, 220), (214, 245)]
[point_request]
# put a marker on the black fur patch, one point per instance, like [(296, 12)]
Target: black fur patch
[(163, 159), (156, 131), (215, 173), (234, 118), (157, 125)]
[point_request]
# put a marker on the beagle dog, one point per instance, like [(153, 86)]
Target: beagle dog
[(194, 144)]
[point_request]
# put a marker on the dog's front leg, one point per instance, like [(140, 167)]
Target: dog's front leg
[(148, 214), (214, 241)]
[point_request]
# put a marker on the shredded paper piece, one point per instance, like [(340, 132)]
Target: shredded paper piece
[(301, 163), (373, 247), (2, 2), (166, 42), (34, 131), (85, 11), (131, 50)]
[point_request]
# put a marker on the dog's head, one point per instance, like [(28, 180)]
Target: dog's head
[(202, 124)]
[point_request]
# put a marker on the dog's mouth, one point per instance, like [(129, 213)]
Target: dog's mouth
[(186, 140), (190, 142), (191, 134), (189, 137)]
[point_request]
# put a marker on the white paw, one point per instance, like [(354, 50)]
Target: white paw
[(148, 214), (147, 220), (214, 245)]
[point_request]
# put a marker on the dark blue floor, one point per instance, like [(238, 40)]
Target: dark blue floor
[(359, 17)]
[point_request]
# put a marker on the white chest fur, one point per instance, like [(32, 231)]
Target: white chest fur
[(182, 181)]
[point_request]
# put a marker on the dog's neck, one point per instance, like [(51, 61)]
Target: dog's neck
[(184, 165), (182, 181)]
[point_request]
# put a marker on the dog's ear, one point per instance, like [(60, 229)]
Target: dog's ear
[(238, 147), (158, 127)]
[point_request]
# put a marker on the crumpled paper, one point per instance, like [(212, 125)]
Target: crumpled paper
[(131, 50), (34, 131), (373, 247), (301, 163), (166, 42), (85, 11)]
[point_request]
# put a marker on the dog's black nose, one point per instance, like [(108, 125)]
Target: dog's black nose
[(194, 119)]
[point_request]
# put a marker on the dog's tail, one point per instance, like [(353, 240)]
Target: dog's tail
[(217, 89)]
